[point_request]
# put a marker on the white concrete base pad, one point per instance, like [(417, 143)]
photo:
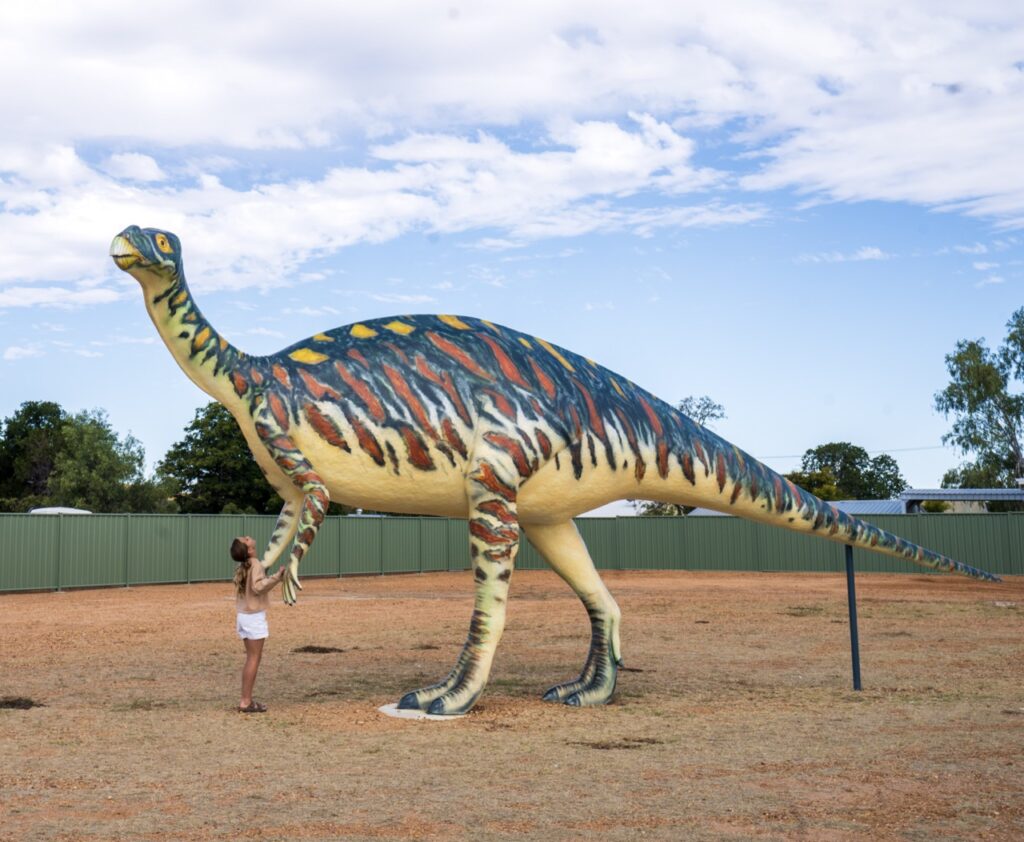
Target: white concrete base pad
[(395, 711)]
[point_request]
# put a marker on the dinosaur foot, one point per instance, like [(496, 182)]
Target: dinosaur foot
[(595, 686), (454, 702), (450, 698)]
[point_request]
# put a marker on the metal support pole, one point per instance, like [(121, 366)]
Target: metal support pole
[(852, 599)]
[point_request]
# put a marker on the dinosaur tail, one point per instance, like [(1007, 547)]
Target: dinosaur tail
[(720, 476)]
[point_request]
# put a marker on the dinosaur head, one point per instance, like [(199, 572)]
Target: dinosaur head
[(150, 256)]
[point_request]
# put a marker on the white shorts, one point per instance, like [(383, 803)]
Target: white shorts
[(252, 626)]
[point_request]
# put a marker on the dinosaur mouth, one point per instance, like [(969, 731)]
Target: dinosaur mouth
[(125, 255)]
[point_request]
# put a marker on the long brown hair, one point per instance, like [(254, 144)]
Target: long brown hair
[(240, 553)]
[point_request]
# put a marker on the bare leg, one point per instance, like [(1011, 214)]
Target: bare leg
[(253, 655), (563, 548)]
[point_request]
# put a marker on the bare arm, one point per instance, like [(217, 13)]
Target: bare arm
[(261, 582)]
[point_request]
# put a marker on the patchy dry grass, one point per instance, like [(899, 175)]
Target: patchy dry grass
[(735, 719)]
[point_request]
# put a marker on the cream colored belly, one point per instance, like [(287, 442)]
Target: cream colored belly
[(356, 480)]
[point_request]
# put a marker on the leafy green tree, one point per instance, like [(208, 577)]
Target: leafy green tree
[(96, 469), (985, 401), (821, 483), (32, 438), (704, 411), (846, 472), (51, 458), (212, 469)]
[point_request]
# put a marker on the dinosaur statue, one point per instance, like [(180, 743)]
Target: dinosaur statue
[(459, 417)]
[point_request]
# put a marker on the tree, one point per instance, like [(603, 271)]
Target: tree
[(844, 471), (97, 470), (212, 468), (704, 411), (987, 406), (51, 458), (32, 438), (821, 483)]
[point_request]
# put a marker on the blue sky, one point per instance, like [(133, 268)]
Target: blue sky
[(793, 210)]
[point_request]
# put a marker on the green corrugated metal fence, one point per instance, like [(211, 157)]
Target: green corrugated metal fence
[(51, 552)]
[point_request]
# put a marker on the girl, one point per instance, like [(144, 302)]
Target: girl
[(252, 590)]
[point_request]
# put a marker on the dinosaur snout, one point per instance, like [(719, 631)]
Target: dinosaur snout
[(124, 253)]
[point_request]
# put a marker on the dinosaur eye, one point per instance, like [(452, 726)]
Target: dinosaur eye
[(163, 244)]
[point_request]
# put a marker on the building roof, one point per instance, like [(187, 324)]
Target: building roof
[(957, 494)]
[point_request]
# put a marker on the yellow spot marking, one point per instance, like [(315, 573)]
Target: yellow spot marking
[(200, 339), (305, 355), (180, 298), (525, 343), (455, 322), (615, 386), (493, 327), (551, 349), (189, 317), (400, 327), (223, 344), (592, 363), (363, 332), (323, 337)]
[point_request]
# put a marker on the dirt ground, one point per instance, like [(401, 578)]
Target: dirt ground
[(734, 720)]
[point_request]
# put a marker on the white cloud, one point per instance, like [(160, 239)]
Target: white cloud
[(396, 298), (991, 281), (21, 352), (321, 310), (61, 297), (84, 352), (863, 253), (983, 266), (520, 123), (133, 166), (442, 183), (975, 248), (263, 331)]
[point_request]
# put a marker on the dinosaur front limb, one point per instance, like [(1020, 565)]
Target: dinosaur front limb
[(284, 531), (563, 548), (493, 544), (272, 428)]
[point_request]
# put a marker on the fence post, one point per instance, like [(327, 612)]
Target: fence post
[(127, 544), (60, 543), (380, 543), (188, 549), (419, 530)]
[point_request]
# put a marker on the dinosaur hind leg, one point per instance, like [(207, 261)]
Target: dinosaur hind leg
[(563, 548), (494, 542)]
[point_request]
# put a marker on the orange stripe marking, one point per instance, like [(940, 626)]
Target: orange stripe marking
[(401, 387), (457, 354), (508, 368), (316, 388), (363, 391)]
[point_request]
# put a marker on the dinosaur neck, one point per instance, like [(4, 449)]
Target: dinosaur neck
[(203, 354)]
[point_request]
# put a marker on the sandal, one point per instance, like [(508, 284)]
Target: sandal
[(253, 707)]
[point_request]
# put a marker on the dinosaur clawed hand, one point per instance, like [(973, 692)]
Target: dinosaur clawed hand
[(291, 585)]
